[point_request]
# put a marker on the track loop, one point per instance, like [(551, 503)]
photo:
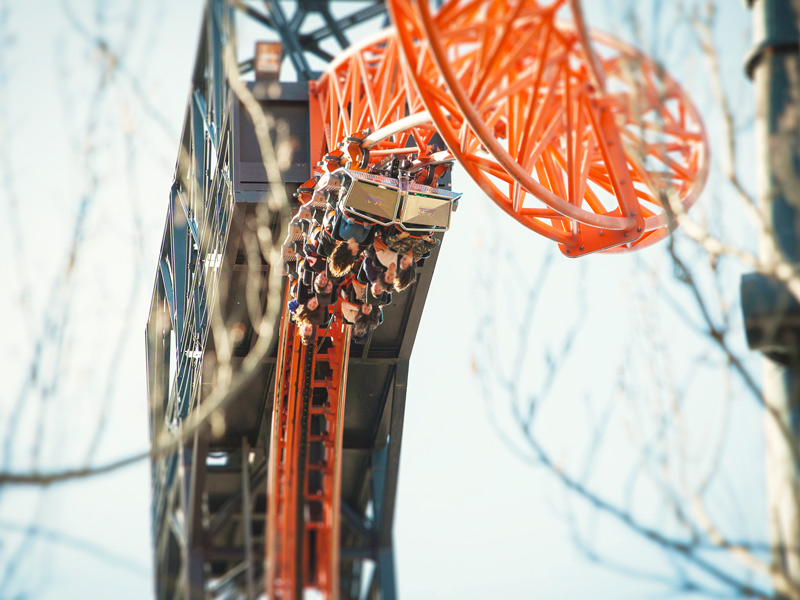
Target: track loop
[(516, 97), (581, 140)]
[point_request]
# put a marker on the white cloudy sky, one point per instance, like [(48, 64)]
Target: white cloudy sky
[(89, 147)]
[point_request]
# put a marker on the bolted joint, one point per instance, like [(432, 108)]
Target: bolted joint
[(771, 317)]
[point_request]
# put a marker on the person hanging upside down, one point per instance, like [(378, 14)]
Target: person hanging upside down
[(308, 316), (401, 242), (323, 289), (407, 273), (380, 290), (343, 257), (366, 320)]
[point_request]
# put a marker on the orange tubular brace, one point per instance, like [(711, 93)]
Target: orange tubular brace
[(577, 136), (305, 463), (549, 121)]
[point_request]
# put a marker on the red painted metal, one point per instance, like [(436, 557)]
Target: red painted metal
[(581, 140), (305, 463), (577, 136)]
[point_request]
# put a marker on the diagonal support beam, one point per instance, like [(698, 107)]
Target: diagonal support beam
[(385, 470), (331, 27), (392, 466), (290, 41)]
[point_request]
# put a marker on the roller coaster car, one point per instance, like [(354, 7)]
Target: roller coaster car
[(385, 200)]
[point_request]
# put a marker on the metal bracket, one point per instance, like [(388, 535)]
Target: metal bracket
[(771, 317)]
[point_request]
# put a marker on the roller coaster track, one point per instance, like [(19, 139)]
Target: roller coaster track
[(305, 463), (536, 116), (574, 134)]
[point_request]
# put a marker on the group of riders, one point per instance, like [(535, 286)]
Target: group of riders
[(342, 261)]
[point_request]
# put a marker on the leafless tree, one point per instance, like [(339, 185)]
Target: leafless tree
[(654, 455), (711, 543), (116, 115)]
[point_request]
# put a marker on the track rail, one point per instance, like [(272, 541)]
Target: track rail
[(576, 135), (305, 466)]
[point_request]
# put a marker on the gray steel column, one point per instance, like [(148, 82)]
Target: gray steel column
[(386, 517), (384, 550), (385, 472), (771, 312)]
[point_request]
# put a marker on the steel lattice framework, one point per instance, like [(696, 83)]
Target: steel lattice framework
[(577, 136), (210, 493), (302, 45)]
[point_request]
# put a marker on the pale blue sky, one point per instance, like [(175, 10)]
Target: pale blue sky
[(473, 520)]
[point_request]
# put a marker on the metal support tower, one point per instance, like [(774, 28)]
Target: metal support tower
[(303, 45), (210, 490), (772, 313)]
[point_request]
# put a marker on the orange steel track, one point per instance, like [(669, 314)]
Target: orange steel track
[(305, 462), (579, 137), (582, 140)]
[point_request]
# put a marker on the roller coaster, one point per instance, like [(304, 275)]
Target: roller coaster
[(284, 483)]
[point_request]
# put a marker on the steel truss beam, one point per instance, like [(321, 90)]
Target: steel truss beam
[(210, 501), (299, 42), (197, 225)]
